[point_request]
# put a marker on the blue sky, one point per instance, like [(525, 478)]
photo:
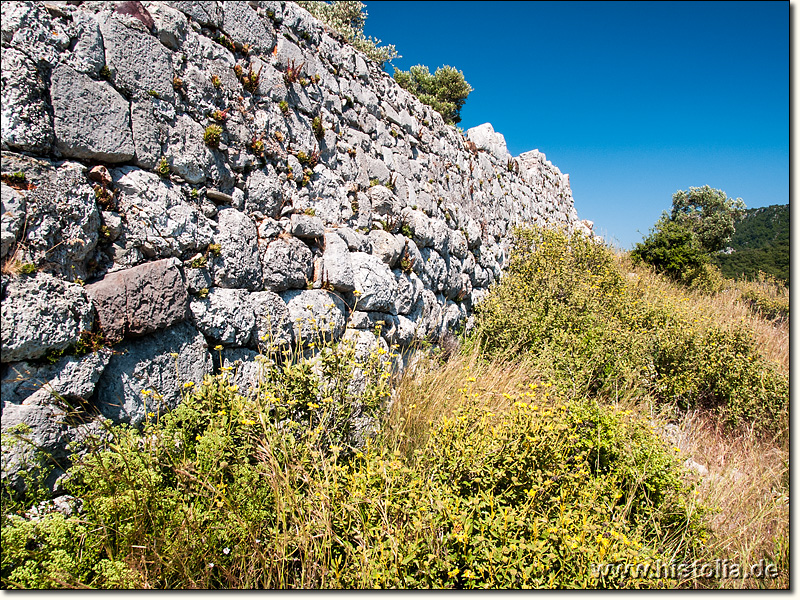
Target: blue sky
[(635, 100)]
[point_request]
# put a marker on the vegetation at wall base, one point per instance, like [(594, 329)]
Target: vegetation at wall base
[(541, 448)]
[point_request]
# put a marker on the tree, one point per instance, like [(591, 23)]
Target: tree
[(709, 213), (445, 91), (348, 18), (701, 223)]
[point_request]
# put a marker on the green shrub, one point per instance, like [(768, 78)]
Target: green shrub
[(211, 136), (445, 91), (672, 249), (566, 302)]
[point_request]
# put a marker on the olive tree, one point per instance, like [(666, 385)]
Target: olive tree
[(680, 244), (445, 91)]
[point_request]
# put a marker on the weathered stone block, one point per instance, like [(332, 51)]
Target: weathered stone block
[(140, 300), (42, 313), (91, 119)]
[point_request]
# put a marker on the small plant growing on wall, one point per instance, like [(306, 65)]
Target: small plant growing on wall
[(257, 146), (284, 106), (251, 80), (163, 167), (177, 84), (220, 116), (317, 127), (212, 136), (292, 74), (17, 180), (216, 81), (104, 197)]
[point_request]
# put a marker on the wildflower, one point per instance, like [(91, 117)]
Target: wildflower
[(218, 347), (188, 384), (174, 354), (453, 573), (210, 565), (226, 551)]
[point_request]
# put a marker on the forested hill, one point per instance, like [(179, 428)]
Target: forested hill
[(761, 243)]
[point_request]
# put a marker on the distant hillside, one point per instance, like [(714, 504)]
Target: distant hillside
[(761, 243)]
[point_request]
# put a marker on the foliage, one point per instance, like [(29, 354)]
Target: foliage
[(317, 127), (672, 249), (681, 243), (211, 136), (231, 490), (163, 167), (347, 17), (445, 91), (766, 296), (760, 243), (708, 213), (566, 301)]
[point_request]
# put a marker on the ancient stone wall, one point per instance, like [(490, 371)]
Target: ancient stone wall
[(204, 174)]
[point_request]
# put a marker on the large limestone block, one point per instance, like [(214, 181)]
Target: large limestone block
[(12, 210), (244, 26), (190, 158), (63, 221), (388, 247), (150, 363), (409, 291), (25, 121), (42, 447), (238, 264), (139, 64), (91, 119), (486, 138), (337, 269), (376, 288), (158, 220), (263, 192), (307, 226), (88, 55), (273, 323), (42, 313), (205, 12), (434, 270), (419, 224), (171, 25), (140, 300), (287, 264), (71, 378), (225, 316), (315, 315)]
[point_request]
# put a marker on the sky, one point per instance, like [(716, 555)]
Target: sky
[(635, 100)]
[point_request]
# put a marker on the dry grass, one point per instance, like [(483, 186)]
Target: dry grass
[(747, 491), (725, 308), (430, 390)]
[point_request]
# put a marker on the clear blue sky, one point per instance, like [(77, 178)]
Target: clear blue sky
[(635, 100)]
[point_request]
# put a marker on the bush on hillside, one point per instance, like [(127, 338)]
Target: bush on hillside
[(566, 301), (682, 242)]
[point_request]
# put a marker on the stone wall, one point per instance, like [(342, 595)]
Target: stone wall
[(332, 194)]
